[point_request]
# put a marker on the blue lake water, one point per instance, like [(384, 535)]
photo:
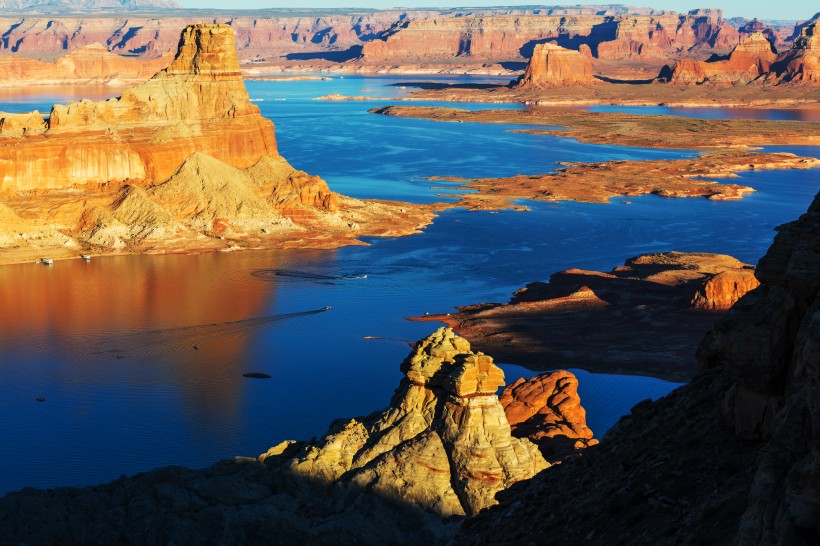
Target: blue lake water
[(109, 344)]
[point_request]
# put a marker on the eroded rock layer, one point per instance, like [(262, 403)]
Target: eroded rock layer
[(197, 104), (750, 59)]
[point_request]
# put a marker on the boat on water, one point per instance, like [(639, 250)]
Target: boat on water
[(86, 257), (46, 261)]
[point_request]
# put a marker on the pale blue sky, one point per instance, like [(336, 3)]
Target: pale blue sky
[(763, 9)]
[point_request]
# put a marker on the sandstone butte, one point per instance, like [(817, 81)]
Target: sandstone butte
[(730, 458), (645, 317), (554, 66), (407, 474), (755, 59), (181, 162), (89, 64)]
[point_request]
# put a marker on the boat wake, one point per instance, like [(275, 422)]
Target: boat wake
[(275, 275)]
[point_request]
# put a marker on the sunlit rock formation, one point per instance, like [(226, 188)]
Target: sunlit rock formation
[(444, 444), (547, 410), (750, 59), (802, 62), (555, 66), (183, 161), (197, 104)]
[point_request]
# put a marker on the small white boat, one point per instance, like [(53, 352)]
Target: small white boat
[(86, 257), (46, 261)]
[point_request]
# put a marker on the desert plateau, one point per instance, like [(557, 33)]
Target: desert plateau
[(274, 274)]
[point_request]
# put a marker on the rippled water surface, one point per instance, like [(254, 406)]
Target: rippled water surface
[(140, 359)]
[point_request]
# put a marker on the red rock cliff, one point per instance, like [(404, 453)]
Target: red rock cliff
[(198, 104), (802, 62), (750, 59)]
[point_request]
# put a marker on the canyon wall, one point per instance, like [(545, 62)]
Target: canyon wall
[(754, 59), (368, 38)]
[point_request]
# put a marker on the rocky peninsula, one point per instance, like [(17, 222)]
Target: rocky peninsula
[(183, 162), (645, 317)]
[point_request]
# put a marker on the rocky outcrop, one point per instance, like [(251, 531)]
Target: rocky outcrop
[(403, 475), (554, 66), (444, 418), (749, 60), (91, 64), (646, 316), (729, 458), (547, 410), (801, 64), (197, 104)]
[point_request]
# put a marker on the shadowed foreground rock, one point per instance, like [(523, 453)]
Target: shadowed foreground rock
[(730, 458), (399, 476)]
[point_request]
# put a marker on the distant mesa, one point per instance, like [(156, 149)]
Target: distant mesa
[(555, 66)]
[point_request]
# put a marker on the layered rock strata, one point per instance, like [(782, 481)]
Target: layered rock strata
[(183, 162), (730, 458), (554, 66), (197, 104), (750, 59), (645, 317), (91, 64), (547, 410), (444, 418), (802, 62)]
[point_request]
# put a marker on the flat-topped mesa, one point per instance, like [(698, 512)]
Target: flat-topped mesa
[(802, 62), (198, 104), (750, 59), (555, 66), (444, 418)]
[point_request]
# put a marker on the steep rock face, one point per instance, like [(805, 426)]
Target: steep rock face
[(197, 104), (770, 344), (802, 62), (547, 410), (663, 35), (730, 458), (554, 66), (750, 59), (90, 64), (444, 418)]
